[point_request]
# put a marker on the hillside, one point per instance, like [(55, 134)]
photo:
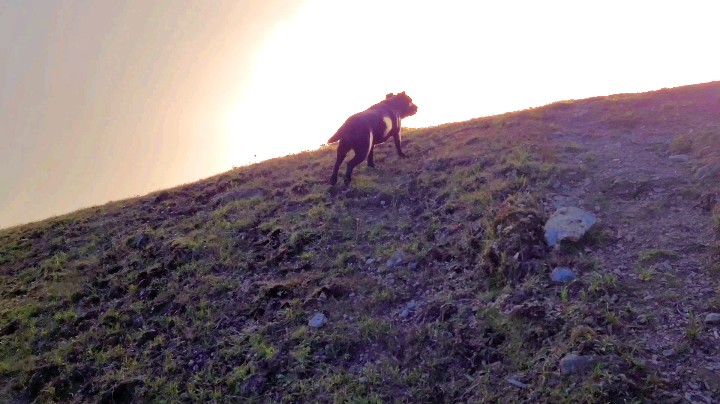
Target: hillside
[(431, 273)]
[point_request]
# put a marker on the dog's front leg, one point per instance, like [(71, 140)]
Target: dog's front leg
[(370, 159), (396, 138)]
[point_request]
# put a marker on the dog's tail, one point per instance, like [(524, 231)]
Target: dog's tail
[(340, 133)]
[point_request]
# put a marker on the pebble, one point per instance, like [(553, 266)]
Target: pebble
[(516, 382), (395, 260), (562, 275), (712, 318), (317, 320), (680, 157), (573, 363)]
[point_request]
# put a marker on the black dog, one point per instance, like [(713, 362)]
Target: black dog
[(362, 131)]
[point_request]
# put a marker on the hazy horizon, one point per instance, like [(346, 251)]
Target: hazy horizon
[(106, 101)]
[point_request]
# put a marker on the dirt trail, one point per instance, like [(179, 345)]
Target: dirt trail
[(658, 239)]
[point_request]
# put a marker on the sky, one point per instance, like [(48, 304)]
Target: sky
[(101, 101)]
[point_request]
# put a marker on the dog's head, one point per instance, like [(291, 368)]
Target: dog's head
[(401, 103)]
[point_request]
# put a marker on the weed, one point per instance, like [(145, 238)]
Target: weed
[(646, 274), (602, 283), (693, 329), (655, 255)]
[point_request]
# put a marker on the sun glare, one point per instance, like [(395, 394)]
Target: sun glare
[(458, 60)]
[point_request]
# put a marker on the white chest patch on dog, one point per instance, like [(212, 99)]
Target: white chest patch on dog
[(388, 125)]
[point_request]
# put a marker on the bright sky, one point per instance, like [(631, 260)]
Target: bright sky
[(105, 100)]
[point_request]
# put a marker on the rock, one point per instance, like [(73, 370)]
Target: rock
[(406, 311), (668, 352), (712, 318), (568, 223), (317, 320), (562, 275), (679, 158), (413, 265), (516, 382), (363, 379), (396, 259), (573, 363), (708, 171)]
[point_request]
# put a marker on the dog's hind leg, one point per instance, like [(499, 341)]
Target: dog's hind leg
[(361, 153), (370, 159), (342, 152)]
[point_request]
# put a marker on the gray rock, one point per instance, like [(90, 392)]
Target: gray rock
[(568, 223), (405, 313), (708, 171), (396, 259), (679, 158), (712, 318), (562, 275), (573, 363), (516, 382), (413, 265), (317, 320)]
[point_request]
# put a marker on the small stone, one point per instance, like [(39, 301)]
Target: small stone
[(573, 363), (363, 379), (668, 352), (642, 319), (405, 313), (413, 265), (516, 382), (369, 261), (679, 158), (396, 259), (317, 320), (562, 275), (712, 318)]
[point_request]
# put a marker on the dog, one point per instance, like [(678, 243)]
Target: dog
[(362, 131)]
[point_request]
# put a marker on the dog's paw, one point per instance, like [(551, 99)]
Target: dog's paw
[(403, 156), (371, 165), (333, 180)]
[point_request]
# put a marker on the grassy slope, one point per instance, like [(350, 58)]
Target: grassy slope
[(204, 291)]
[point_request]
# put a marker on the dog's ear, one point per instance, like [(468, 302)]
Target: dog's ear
[(403, 93), (388, 96)]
